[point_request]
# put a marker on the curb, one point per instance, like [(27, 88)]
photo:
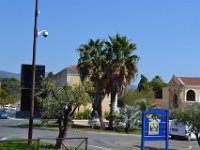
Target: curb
[(38, 128), (51, 129)]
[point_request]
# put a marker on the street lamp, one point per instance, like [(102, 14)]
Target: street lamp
[(43, 32), (36, 34)]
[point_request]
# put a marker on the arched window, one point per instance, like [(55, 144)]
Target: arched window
[(190, 95), (175, 101)]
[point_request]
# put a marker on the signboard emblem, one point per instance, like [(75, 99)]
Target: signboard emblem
[(153, 126)]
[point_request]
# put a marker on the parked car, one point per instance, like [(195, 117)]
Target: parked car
[(6, 107), (94, 122), (3, 114), (13, 108), (180, 130)]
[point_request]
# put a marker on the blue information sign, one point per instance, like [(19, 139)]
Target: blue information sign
[(155, 126)]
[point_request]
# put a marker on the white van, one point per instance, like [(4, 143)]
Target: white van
[(180, 130)]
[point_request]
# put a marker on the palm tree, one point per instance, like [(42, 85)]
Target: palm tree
[(90, 66), (120, 69), (145, 105)]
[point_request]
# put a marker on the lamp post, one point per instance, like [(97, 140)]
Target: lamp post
[(36, 34)]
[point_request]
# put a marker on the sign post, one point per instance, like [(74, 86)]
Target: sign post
[(155, 126)]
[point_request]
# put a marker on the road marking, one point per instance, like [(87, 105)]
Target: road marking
[(99, 147), (15, 118)]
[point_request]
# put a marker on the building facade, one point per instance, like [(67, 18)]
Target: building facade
[(70, 75), (181, 91), (67, 75)]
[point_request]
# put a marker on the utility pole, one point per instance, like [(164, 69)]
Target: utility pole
[(31, 115)]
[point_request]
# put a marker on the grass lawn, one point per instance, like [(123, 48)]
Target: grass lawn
[(14, 144), (77, 128)]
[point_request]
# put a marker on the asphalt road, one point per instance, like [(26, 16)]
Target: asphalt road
[(96, 140)]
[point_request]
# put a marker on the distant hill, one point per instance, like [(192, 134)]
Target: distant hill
[(6, 74)]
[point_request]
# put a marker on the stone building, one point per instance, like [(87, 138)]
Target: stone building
[(67, 75), (181, 91), (70, 75)]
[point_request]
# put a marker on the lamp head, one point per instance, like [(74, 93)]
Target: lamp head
[(45, 33)]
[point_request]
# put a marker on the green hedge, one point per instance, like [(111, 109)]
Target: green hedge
[(82, 115)]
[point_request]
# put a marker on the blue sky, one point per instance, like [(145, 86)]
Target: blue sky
[(167, 33)]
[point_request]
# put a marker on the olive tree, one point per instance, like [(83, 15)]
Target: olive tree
[(61, 102), (189, 115)]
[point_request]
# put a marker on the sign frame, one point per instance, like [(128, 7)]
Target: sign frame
[(155, 129)]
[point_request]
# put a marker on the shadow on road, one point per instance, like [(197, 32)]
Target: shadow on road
[(153, 148)]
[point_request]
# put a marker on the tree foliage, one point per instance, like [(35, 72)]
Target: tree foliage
[(9, 90), (132, 97), (135, 103), (130, 115), (111, 65), (189, 115), (143, 85), (121, 67), (91, 66), (145, 105), (61, 102), (155, 85)]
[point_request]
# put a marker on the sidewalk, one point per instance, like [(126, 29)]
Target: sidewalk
[(80, 122)]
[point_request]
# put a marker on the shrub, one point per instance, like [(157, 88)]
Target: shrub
[(106, 115), (82, 115)]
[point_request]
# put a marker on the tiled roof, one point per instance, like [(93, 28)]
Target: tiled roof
[(73, 67), (190, 80)]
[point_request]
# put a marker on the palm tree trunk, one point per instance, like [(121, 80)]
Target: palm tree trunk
[(111, 118), (97, 106), (128, 125), (100, 114)]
